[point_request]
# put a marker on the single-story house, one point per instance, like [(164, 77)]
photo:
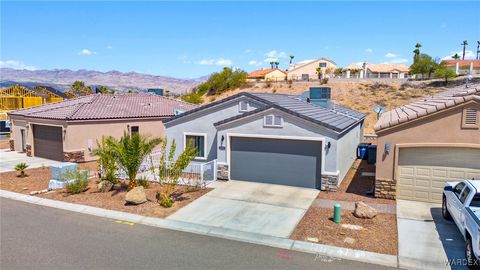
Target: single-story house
[(367, 70), (423, 144), (463, 67), (307, 70), (271, 74), (272, 138), (68, 130)]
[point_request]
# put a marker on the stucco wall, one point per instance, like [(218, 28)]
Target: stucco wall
[(276, 75), (311, 70), (347, 150), (441, 128), (20, 123), (292, 126), (202, 122)]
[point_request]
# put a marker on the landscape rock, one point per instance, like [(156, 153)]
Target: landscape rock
[(136, 195), (39, 191), (104, 186), (362, 210)]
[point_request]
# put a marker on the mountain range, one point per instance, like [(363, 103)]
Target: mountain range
[(61, 79)]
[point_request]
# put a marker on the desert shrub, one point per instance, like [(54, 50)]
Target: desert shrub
[(268, 83), (193, 98), (274, 90), (107, 160), (222, 81), (324, 81), (21, 167), (76, 181), (290, 82), (144, 183), (164, 199)]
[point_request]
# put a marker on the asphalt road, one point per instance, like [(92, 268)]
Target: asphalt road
[(38, 237)]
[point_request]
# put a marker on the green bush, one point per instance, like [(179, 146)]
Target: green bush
[(21, 167), (79, 183), (164, 199), (144, 183), (107, 160), (192, 98)]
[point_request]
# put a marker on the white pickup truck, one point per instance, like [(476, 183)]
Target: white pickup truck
[(461, 202)]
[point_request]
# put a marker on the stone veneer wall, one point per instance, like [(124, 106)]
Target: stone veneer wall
[(329, 183), (222, 172), (12, 144), (29, 150), (385, 188), (74, 156)]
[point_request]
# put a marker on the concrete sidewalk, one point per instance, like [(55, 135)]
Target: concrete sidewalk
[(11, 158), (278, 242)]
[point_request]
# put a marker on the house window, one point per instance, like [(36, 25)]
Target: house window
[(322, 65), (273, 120), (134, 130), (243, 106), (470, 118), (198, 142)]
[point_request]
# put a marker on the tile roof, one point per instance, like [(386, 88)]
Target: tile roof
[(428, 106), (262, 72), (449, 63), (387, 67), (107, 106)]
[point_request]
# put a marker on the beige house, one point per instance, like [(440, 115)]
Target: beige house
[(428, 142), (376, 71), (463, 67), (68, 130), (307, 70), (271, 74)]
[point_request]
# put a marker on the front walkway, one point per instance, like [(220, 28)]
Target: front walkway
[(266, 209), (425, 239), (8, 160)]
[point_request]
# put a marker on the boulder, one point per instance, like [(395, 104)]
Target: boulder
[(136, 195), (362, 210), (104, 186)]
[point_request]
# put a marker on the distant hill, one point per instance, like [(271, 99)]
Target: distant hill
[(63, 78)]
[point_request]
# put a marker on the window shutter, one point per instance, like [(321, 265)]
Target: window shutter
[(471, 117)]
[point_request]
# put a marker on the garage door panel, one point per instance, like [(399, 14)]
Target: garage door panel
[(422, 172), (48, 142), (277, 161)]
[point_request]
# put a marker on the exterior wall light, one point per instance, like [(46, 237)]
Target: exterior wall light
[(387, 147)]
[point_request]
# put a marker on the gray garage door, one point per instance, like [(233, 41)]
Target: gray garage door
[(423, 171), (47, 142), (276, 161)]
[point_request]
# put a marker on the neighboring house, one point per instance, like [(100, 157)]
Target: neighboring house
[(307, 70), (366, 70), (428, 142), (272, 138), (463, 67), (68, 130), (271, 74)]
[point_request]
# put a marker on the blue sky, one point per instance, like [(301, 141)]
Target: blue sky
[(192, 39)]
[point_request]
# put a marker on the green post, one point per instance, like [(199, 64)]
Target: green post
[(336, 213)]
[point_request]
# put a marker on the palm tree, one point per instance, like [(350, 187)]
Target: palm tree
[(464, 44), (130, 151), (271, 64), (291, 58), (456, 56), (276, 64), (478, 50), (416, 52)]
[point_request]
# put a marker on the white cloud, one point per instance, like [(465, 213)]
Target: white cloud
[(397, 61), (255, 63), (248, 51), (368, 50), (390, 55), (468, 55), (86, 52), (218, 62), (274, 55), (15, 65), (109, 47)]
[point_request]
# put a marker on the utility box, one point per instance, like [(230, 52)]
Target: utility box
[(372, 154), (59, 170)]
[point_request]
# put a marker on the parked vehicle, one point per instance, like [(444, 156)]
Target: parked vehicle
[(461, 202)]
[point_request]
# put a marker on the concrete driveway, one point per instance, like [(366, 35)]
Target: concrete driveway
[(8, 160), (260, 208), (425, 239)]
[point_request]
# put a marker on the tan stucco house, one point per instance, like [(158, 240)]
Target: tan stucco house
[(422, 145), (307, 70), (68, 130), (271, 74), (463, 67), (376, 71)]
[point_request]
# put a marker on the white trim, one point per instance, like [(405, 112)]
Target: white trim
[(204, 135), (298, 138), (240, 106), (265, 125)]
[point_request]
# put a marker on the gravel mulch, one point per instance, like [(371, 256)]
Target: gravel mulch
[(377, 235), (38, 179)]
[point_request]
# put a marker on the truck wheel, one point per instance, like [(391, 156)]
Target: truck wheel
[(472, 261), (445, 213)]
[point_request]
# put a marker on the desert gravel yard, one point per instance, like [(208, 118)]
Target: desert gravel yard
[(376, 235), (38, 179)]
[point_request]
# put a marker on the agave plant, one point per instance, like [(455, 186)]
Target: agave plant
[(130, 151)]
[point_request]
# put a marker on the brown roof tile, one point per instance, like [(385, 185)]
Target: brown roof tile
[(262, 72)]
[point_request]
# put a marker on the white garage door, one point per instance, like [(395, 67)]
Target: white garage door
[(422, 171)]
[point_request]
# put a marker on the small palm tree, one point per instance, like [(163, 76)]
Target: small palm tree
[(276, 64), (291, 58), (271, 64), (21, 167), (319, 72), (456, 56), (464, 44), (416, 52), (130, 151)]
